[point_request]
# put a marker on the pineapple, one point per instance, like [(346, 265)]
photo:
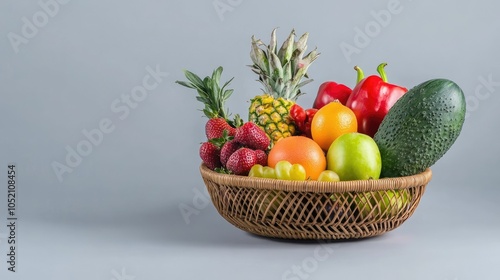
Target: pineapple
[(280, 72)]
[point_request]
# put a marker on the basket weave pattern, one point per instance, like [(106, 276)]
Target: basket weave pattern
[(312, 209)]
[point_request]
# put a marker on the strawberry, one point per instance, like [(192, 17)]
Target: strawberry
[(252, 136), (227, 150), (261, 157), (241, 161), (209, 154), (215, 127)]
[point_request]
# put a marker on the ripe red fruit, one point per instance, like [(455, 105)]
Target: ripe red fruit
[(302, 118), (209, 154), (261, 157), (329, 91), (215, 127), (241, 161), (227, 150), (297, 113), (252, 136), (309, 117)]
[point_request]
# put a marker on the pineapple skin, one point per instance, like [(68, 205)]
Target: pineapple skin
[(273, 116)]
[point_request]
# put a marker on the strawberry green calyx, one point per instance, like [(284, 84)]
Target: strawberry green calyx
[(219, 142), (222, 170), (236, 122)]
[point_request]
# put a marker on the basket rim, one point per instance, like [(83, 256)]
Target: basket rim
[(309, 186)]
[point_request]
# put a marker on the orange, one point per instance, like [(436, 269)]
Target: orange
[(302, 150), (331, 121)]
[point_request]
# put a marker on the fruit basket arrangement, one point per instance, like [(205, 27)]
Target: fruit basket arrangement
[(354, 165), (314, 209)]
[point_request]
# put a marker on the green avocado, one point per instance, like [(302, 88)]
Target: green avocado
[(420, 127)]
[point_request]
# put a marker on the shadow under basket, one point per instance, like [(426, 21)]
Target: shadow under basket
[(313, 209)]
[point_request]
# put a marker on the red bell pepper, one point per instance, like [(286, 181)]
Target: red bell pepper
[(303, 118), (372, 98), (329, 91), (309, 118)]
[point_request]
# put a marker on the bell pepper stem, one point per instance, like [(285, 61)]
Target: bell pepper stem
[(360, 76), (381, 71)]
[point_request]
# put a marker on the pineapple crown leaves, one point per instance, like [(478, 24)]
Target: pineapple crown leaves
[(210, 93), (281, 71)]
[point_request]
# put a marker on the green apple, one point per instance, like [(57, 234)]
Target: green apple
[(382, 204), (269, 203), (354, 156), (364, 204)]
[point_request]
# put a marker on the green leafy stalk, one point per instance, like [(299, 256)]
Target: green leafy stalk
[(210, 93)]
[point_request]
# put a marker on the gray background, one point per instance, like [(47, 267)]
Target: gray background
[(116, 215)]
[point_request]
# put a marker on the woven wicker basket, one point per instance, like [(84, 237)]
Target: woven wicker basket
[(312, 209)]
